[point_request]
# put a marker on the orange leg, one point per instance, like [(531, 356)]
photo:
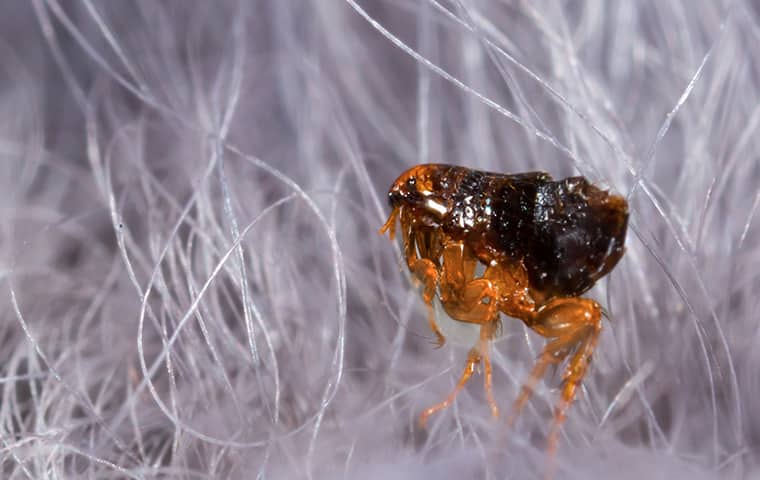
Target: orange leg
[(488, 376), (465, 298), (574, 324), (423, 249), (552, 354), (440, 340), (473, 358), (573, 376), (473, 301), (390, 224), (426, 273), (423, 269)]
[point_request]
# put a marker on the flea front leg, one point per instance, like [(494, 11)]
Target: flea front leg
[(419, 249), (426, 273)]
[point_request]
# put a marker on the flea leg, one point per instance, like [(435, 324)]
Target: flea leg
[(465, 298), (574, 325), (426, 273), (440, 340), (484, 346), (390, 224), (473, 358), (423, 251), (473, 301), (423, 269), (553, 353), (572, 377)]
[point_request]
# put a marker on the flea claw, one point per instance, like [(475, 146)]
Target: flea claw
[(439, 341)]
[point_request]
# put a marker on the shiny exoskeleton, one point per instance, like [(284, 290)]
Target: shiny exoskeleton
[(542, 244)]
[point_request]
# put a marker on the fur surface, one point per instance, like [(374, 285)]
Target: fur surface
[(191, 280)]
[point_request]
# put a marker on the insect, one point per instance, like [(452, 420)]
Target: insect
[(541, 243)]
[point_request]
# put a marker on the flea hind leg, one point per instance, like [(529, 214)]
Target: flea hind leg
[(574, 325)]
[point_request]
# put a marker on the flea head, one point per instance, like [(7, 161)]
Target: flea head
[(422, 189)]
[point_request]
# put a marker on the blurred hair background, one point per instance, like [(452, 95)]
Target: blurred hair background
[(191, 280)]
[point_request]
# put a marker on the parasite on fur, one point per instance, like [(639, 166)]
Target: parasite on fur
[(542, 244)]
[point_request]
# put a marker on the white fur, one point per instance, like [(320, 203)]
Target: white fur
[(191, 280)]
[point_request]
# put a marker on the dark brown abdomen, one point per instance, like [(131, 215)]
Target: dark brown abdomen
[(568, 233)]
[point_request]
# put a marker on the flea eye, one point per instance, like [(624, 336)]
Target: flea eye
[(411, 182)]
